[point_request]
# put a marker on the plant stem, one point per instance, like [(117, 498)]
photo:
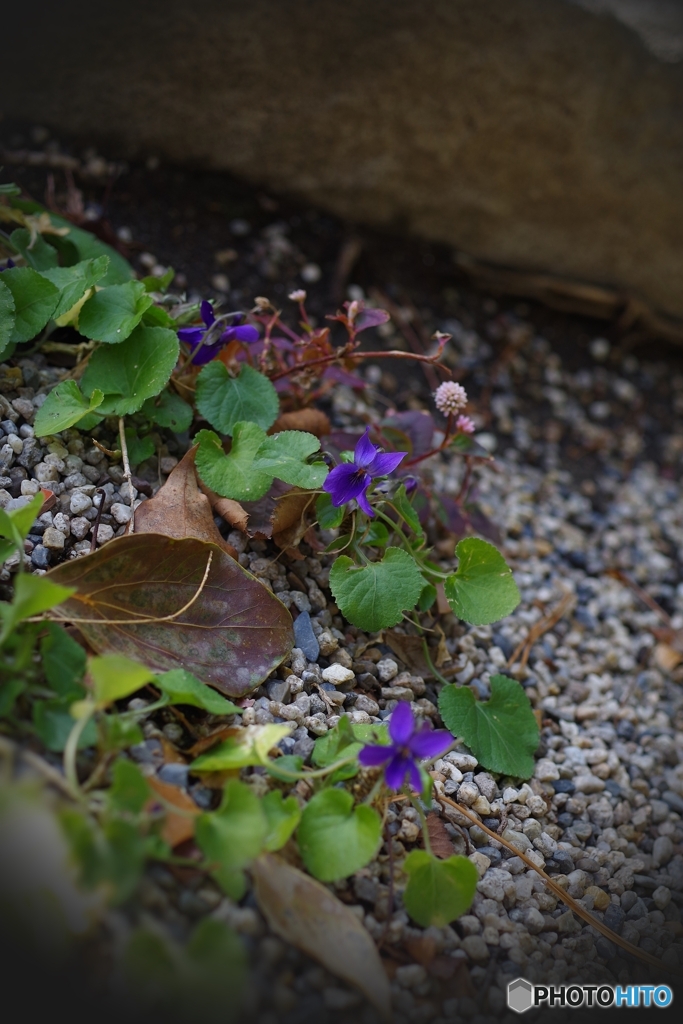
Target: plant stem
[(127, 473), (423, 822), (71, 750)]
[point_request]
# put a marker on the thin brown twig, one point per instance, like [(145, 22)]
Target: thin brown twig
[(558, 890), (539, 628), (144, 621), (623, 577)]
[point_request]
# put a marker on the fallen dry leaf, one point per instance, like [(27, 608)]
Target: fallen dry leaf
[(221, 623), (306, 914), (439, 839), (179, 509), (409, 649), (177, 828), (313, 421), (667, 657)]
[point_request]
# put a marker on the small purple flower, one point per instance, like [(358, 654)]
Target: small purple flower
[(410, 745), (210, 341), (352, 479), (8, 266)]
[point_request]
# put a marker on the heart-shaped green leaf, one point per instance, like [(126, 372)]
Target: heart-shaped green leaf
[(130, 373), (438, 891), (74, 282), (181, 687), (334, 838), (112, 314), (248, 746), (482, 590), (35, 299), (374, 596), (233, 632), (233, 475), (63, 407), (284, 456), (283, 817), (233, 835), (502, 732), (169, 410), (6, 317), (224, 400)]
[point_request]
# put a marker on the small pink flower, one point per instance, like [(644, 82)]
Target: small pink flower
[(465, 424), (450, 397)]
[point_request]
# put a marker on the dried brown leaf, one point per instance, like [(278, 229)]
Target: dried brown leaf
[(179, 509), (439, 839), (313, 421), (221, 624), (177, 828), (409, 649), (306, 914)]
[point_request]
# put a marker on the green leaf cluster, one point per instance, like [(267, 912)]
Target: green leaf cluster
[(255, 460), (502, 732)]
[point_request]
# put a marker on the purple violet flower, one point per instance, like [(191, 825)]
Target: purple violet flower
[(352, 479), (8, 266), (410, 745), (211, 342)]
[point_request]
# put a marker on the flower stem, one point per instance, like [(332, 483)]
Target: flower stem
[(423, 822)]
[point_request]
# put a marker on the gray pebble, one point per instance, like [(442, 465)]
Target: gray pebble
[(304, 637)]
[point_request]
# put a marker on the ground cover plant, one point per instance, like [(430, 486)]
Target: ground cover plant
[(167, 612)]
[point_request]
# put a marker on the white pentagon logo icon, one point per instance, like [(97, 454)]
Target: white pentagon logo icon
[(520, 995)]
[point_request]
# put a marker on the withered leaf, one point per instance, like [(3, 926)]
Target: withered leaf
[(177, 828), (232, 636), (440, 841), (278, 510), (179, 509), (409, 649), (314, 421), (306, 914)]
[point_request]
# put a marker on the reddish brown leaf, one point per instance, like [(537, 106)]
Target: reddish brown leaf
[(440, 841), (232, 635), (305, 913), (422, 948), (177, 828), (49, 500), (311, 420), (179, 509)]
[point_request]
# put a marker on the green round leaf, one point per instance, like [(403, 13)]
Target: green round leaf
[(482, 590), (283, 817), (284, 456), (6, 316), (224, 400), (438, 891), (334, 838), (112, 314), (115, 676), (501, 732), (329, 516), (181, 687), (169, 410), (133, 371), (233, 475), (35, 299), (73, 282), (233, 835), (375, 595), (63, 407)]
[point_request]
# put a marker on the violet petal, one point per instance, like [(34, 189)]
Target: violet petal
[(371, 757), (364, 504), (415, 780), (191, 335), (401, 724), (207, 313), (428, 742), (385, 462), (344, 483), (396, 771), (365, 451)]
